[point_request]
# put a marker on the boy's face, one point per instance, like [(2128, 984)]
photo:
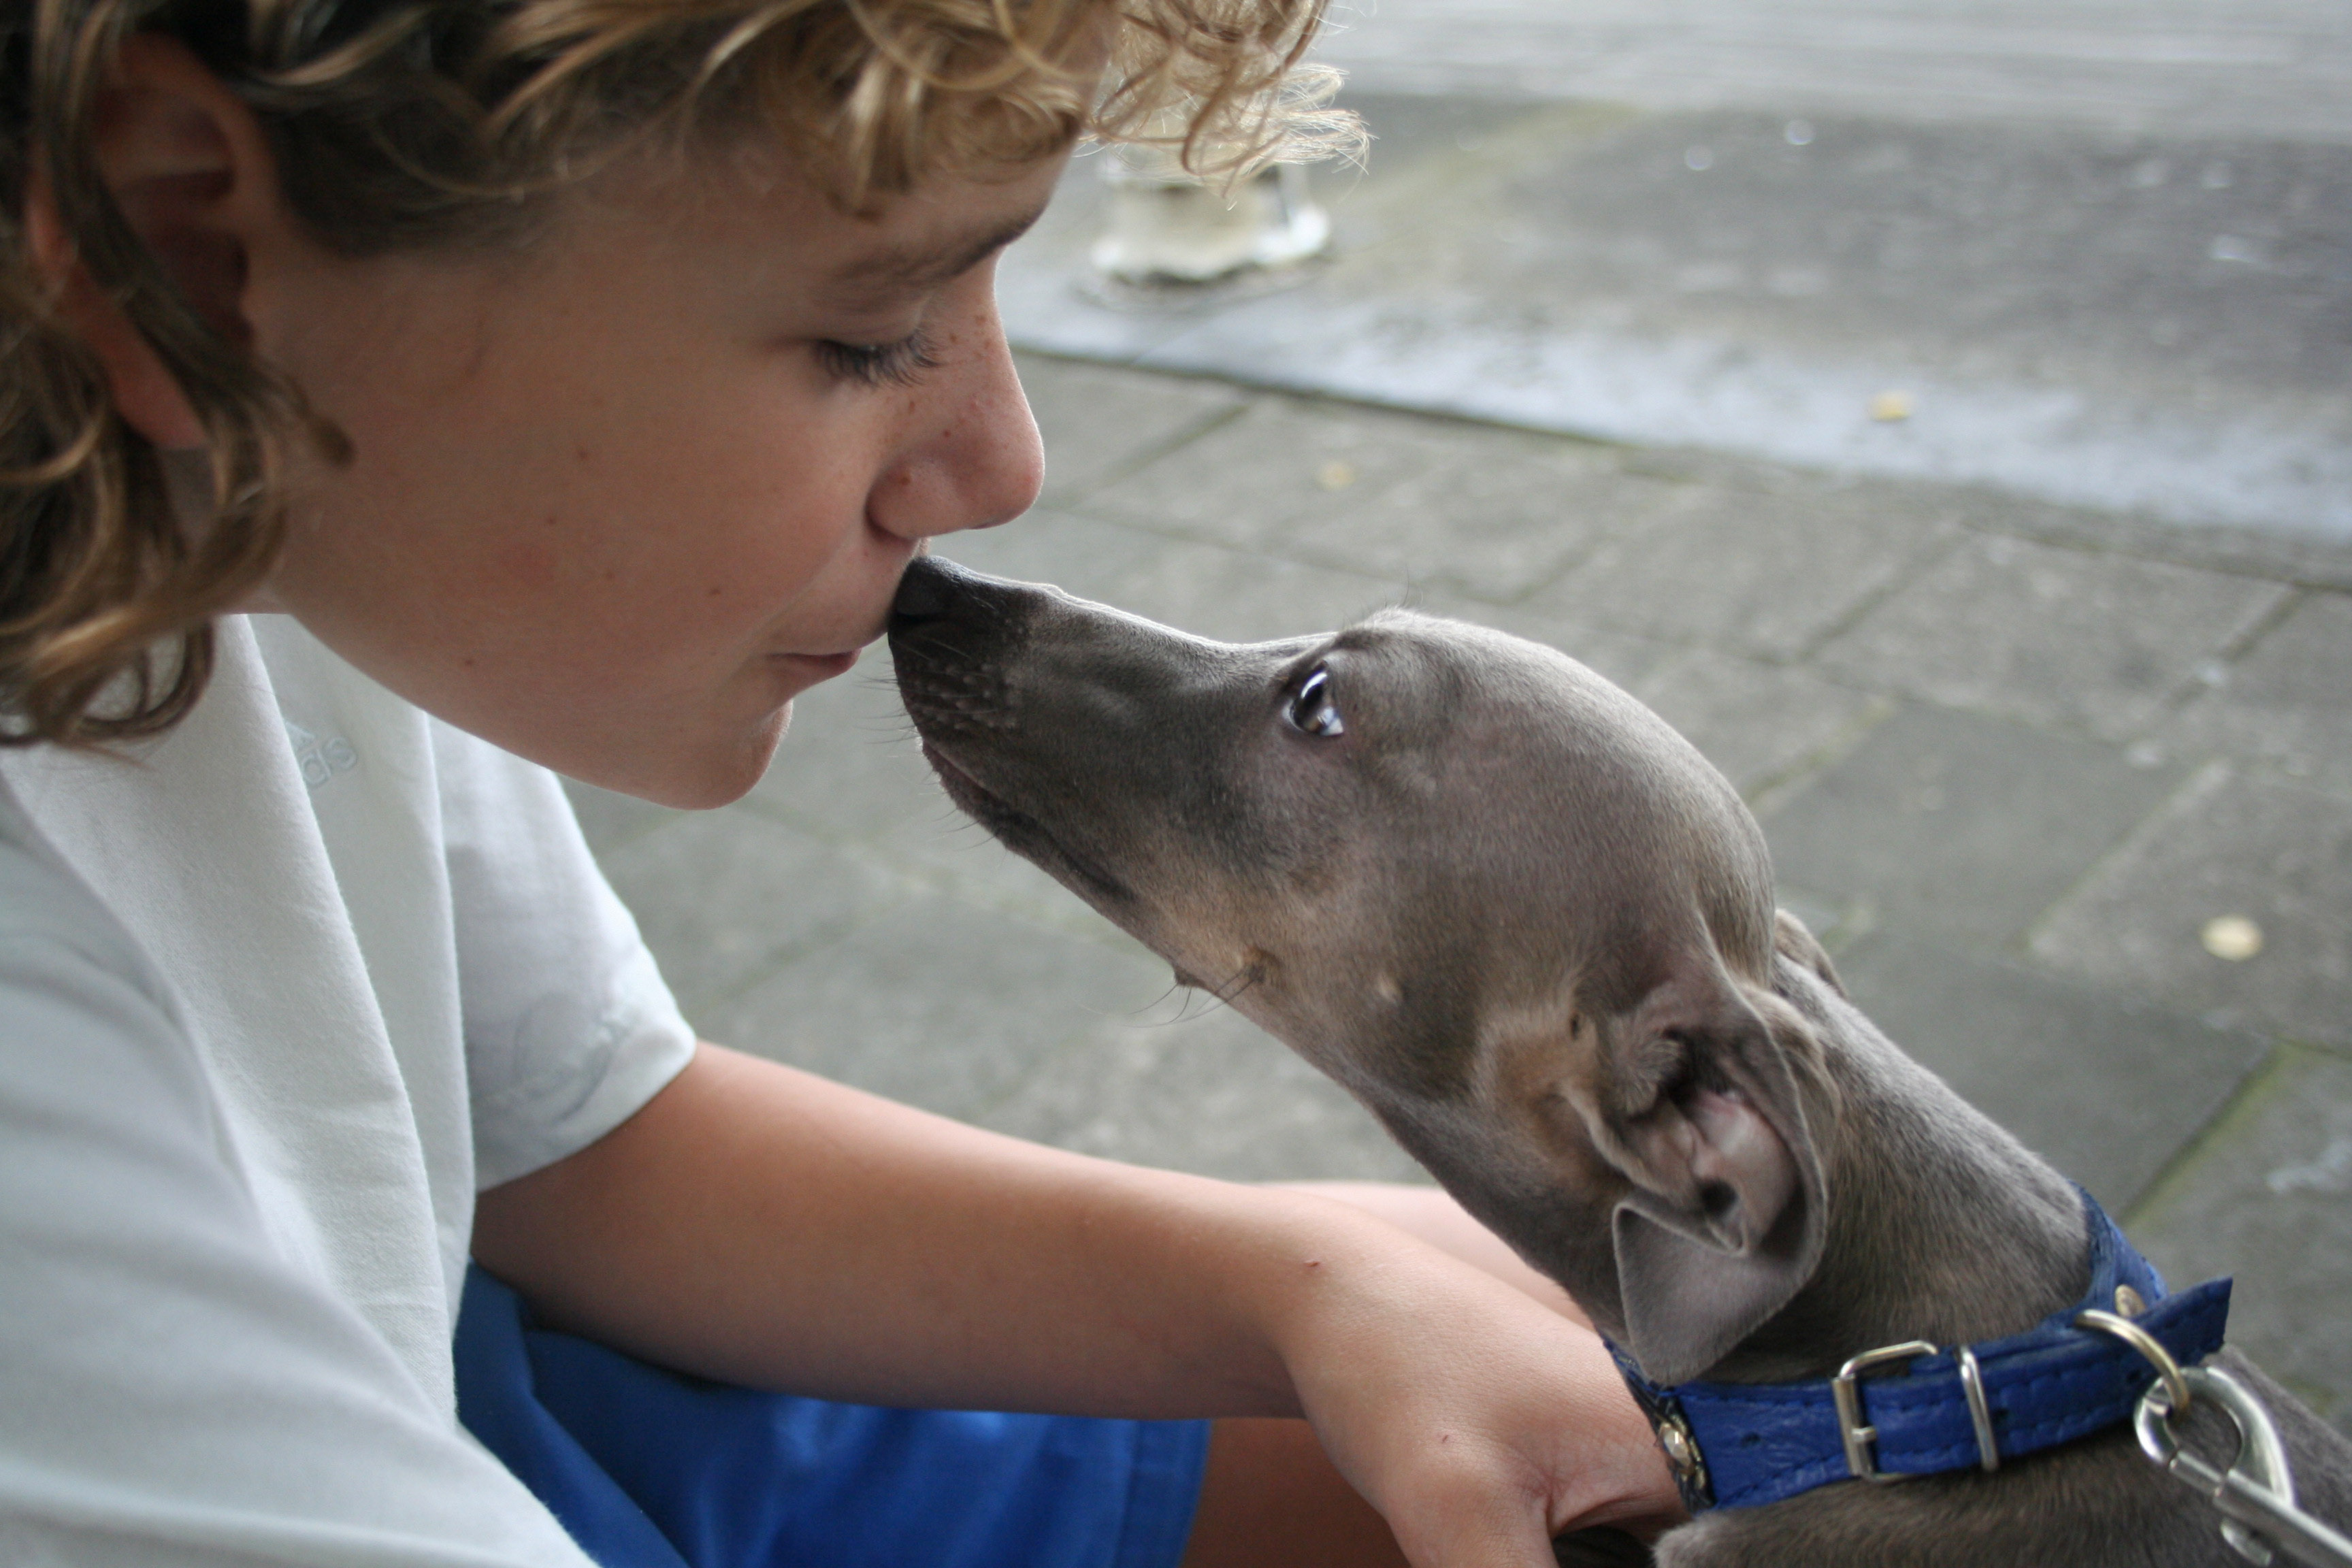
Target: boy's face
[(615, 501)]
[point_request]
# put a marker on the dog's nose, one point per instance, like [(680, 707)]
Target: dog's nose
[(940, 599), (925, 592)]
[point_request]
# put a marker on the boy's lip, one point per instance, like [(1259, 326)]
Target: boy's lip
[(823, 666), (827, 664)]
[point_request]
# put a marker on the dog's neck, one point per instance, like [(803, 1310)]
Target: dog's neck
[(1942, 1226)]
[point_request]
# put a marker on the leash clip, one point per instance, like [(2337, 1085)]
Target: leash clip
[(2254, 1491), (2255, 1494), (1862, 1440)]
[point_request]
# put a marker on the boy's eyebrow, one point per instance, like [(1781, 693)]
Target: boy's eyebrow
[(912, 269)]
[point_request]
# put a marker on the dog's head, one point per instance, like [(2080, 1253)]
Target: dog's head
[(1492, 895)]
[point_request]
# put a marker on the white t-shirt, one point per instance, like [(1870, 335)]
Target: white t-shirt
[(279, 992)]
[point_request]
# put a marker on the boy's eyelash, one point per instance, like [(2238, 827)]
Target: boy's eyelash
[(879, 364)]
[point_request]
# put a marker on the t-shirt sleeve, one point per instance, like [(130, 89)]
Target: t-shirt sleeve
[(569, 1025), (176, 1391)]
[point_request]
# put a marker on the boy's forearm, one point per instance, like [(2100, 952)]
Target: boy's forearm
[(761, 1225)]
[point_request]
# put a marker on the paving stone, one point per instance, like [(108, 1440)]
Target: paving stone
[(2057, 637), (721, 895), (851, 775), (2314, 559), (940, 1004), (1834, 925), (1495, 523), (849, 770), (609, 820), (1206, 1092), (1493, 512), (2311, 558), (1757, 722), (2272, 852), (1241, 483), (1765, 571), (1961, 825), (2267, 1197), (2287, 701), (1209, 590), (2105, 1090), (974, 869), (1078, 554), (1098, 422)]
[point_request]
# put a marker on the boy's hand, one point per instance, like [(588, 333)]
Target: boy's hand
[(1478, 1422)]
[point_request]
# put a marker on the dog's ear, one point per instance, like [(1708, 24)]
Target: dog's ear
[(1699, 1108), (1792, 941)]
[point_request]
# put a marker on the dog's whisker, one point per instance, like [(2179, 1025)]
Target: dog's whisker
[(1242, 980), (1182, 1012)]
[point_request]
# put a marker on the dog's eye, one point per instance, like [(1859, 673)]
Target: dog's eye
[(1310, 709)]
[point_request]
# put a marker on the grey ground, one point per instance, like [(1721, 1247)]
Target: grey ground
[(2013, 751)]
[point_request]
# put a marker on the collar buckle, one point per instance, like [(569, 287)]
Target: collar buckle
[(1862, 1440)]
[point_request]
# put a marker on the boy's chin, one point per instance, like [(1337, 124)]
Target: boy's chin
[(712, 772)]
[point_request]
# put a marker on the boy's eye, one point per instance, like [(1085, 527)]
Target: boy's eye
[(879, 364)]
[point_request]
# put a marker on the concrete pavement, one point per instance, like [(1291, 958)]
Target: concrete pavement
[(2134, 318), (2275, 70)]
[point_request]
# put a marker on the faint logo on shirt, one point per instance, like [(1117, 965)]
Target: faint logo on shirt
[(320, 760)]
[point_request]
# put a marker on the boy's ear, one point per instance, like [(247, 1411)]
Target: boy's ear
[(191, 173), (1726, 1218)]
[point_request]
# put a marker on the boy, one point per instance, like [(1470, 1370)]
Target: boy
[(580, 374)]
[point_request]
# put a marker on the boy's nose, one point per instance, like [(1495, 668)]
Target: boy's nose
[(982, 465), (1012, 466)]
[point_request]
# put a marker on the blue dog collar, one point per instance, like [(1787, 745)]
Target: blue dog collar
[(1916, 1410)]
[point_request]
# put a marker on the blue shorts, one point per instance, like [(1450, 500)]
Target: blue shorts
[(649, 1469)]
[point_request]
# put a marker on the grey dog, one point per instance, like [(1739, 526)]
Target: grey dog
[(1528, 927)]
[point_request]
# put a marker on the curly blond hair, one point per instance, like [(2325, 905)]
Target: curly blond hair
[(421, 124)]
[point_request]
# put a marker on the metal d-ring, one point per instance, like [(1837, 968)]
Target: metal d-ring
[(2149, 1347)]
